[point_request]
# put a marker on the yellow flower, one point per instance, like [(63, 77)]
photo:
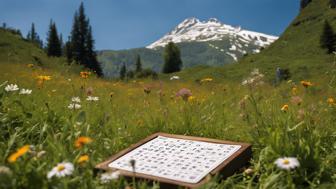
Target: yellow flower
[(44, 78), (206, 80), (306, 84), (20, 152), (331, 101), (30, 65), (285, 108), (81, 141), (83, 159), (191, 99), (294, 90), (85, 75)]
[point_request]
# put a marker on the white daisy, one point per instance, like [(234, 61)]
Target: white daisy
[(175, 77), (75, 99), (92, 98), (287, 163), (108, 176), (61, 170), (74, 106), (25, 91), (11, 88)]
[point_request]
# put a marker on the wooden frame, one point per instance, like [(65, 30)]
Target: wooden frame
[(227, 168)]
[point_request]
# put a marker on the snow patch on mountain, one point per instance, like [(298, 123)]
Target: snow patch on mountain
[(192, 29)]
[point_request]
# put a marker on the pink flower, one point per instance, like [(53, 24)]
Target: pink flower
[(184, 94)]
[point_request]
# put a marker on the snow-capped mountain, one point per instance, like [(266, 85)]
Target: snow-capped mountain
[(192, 29)]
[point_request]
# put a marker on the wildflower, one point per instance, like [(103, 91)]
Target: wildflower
[(294, 90), (30, 65), (296, 100), (287, 163), (255, 79), (25, 91), (89, 91), (5, 170), (74, 106), (85, 75), (44, 78), (83, 159), (184, 94), (175, 77), (206, 80), (147, 90), (191, 98), (92, 98), (75, 99), (108, 176), (331, 101), (81, 141), (11, 88), (306, 84), (20, 152), (285, 108), (61, 170)]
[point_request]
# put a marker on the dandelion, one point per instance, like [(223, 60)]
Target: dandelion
[(11, 88), (61, 170), (175, 77), (20, 152), (184, 94), (306, 84), (287, 163), (25, 91), (85, 75), (331, 101), (74, 106), (92, 98), (109, 176), (81, 141), (75, 99), (83, 159), (285, 108)]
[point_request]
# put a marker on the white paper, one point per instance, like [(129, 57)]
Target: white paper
[(176, 159)]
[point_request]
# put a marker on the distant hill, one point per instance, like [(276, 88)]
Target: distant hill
[(202, 43)]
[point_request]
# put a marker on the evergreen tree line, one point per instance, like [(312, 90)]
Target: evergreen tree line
[(172, 63), (328, 38), (80, 45)]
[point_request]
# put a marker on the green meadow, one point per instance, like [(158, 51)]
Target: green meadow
[(291, 119)]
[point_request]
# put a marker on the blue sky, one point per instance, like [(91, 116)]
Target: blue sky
[(123, 24)]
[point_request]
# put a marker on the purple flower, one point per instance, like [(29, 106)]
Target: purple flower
[(184, 94)]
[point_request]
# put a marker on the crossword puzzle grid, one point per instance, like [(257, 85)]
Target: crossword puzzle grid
[(177, 159)]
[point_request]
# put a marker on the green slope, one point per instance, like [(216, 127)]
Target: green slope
[(297, 49), (16, 53)]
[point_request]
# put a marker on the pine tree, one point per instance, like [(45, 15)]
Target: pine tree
[(172, 59), (33, 37), (53, 42), (92, 61), (82, 43), (304, 3), (68, 51), (138, 65), (122, 72), (328, 41)]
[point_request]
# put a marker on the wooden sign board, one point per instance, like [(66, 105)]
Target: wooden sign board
[(177, 160)]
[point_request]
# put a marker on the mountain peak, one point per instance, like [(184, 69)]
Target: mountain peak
[(192, 29)]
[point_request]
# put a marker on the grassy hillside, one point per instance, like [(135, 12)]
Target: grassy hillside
[(290, 120)]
